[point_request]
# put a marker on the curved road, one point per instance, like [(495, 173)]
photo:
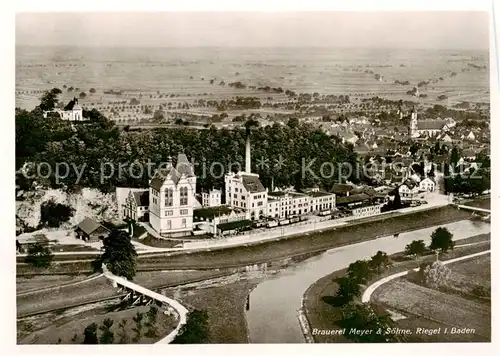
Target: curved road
[(274, 303)]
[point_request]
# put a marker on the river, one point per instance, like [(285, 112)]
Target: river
[(274, 303)]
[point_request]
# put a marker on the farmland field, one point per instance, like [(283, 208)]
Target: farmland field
[(174, 76), (457, 306)]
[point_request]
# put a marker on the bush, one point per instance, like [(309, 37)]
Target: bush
[(39, 256), (90, 334), (195, 331), (436, 275), (54, 214)]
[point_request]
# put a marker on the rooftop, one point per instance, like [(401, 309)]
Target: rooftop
[(252, 184), (431, 124), (211, 212), (354, 198), (183, 168), (89, 225), (319, 194), (141, 198), (342, 188), (233, 225)]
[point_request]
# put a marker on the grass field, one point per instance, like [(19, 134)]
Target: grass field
[(63, 327), (29, 283), (225, 307), (458, 304), (64, 296), (447, 309)]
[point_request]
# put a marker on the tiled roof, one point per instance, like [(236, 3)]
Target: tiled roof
[(183, 168), (212, 211), (431, 124), (409, 183), (89, 225), (319, 194), (342, 188), (252, 184), (141, 198), (352, 199)]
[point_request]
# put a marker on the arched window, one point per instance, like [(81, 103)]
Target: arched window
[(184, 196), (169, 197)]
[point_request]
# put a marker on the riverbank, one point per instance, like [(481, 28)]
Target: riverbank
[(276, 249), (323, 314)]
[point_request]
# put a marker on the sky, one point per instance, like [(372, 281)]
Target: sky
[(410, 29)]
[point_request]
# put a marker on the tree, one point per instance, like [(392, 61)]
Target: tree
[(119, 254), (82, 95), (359, 271), (39, 256), (196, 330), (348, 289), (361, 316), (396, 203), (159, 115), (152, 316), (293, 122), (138, 326), (54, 214), (379, 261), (90, 334), (124, 338), (107, 336), (70, 89), (442, 239), (49, 99), (134, 101), (415, 248), (92, 90), (454, 157)]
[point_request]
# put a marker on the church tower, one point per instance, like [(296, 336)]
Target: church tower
[(413, 123)]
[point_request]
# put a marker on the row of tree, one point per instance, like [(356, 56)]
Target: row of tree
[(441, 239), (51, 140)]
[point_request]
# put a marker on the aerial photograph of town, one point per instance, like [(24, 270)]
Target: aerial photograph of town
[(235, 178)]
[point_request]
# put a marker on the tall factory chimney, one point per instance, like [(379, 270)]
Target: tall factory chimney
[(247, 156)]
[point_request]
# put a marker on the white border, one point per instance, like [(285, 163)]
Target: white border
[(7, 272)]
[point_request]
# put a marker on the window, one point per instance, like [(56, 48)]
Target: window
[(184, 211), (183, 222), (184, 196), (169, 197), (169, 225), (259, 203), (242, 197), (169, 213)]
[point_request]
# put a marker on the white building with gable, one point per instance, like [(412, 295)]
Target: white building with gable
[(71, 112), (172, 198), (245, 191)]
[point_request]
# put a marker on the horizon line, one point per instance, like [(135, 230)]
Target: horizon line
[(247, 47)]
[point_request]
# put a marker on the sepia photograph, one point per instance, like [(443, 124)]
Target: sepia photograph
[(232, 177)]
